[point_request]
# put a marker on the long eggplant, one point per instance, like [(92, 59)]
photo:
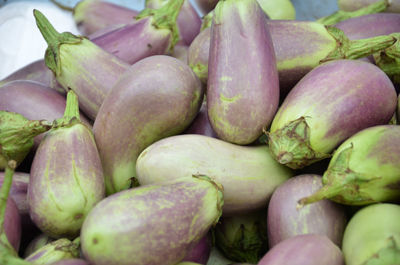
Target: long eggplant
[(159, 96), (241, 101)]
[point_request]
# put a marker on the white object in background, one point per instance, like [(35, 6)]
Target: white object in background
[(21, 41)]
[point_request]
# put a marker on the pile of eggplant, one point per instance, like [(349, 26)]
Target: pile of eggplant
[(237, 136)]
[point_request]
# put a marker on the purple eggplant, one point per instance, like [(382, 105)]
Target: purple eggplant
[(152, 32), (55, 251), (285, 220), (248, 173), (38, 242), (352, 5), (158, 96), (363, 169), (181, 52), (80, 65), (167, 220), (34, 101), (66, 178), (304, 250), (198, 54), (331, 103), (206, 6), (370, 25), (93, 15), (200, 253), (201, 124), (12, 224), (188, 21), (241, 101), (70, 262)]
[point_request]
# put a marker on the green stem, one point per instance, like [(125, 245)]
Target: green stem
[(54, 40), (207, 20), (355, 49), (165, 18), (341, 15), (72, 106), (325, 192)]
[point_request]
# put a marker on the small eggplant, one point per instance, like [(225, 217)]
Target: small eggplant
[(331, 103), (248, 173), (307, 249), (285, 220), (373, 235), (80, 65), (55, 251), (189, 22), (352, 5), (201, 124), (364, 169), (66, 175), (241, 101), (198, 54), (158, 96), (167, 220), (93, 15)]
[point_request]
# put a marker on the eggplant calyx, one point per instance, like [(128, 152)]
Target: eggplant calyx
[(71, 113), (165, 18), (389, 59), (220, 190), (290, 145), (390, 254), (355, 49), (54, 40), (207, 20), (341, 15)]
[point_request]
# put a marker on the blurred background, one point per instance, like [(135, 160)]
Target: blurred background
[(21, 42)]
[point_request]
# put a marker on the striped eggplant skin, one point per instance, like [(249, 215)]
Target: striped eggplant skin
[(248, 173), (373, 235), (331, 103), (136, 40), (364, 168), (71, 262), (159, 96), (188, 20), (93, 15), (55, 251), (370, 25), (352, 5), (198, 54), (66, 180), (285, 220), (201, 124), (12, 224), (307, 249), (242, 98), (167, 220)]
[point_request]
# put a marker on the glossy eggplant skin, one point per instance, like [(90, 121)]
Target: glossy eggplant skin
[(352, 5), (242, 87), (307, 249), (285, 220), (248, 173), (331, 103), (159, 96), (66, 180), (168, 219)]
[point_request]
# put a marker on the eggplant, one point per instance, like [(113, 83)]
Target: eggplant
[(188, 20), (370, 25), (198, 54), (80, 65), (66, 178), (181, 52), (285, 220), (351, 5), (34, 101), (200, 253), (168, 219), (93, 15), (278, 9), (363, 169), (38, 242), (241, 101), (152, 32), (55, 251), (306, 249), (331, 103), (372, 235), (248, 173), (12, 224), (205, 6), (217, 258), (201, 124), (243, 238), (71, 262), (158, 96)]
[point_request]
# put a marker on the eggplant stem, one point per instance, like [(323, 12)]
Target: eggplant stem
[(326, 192), (72, 106)]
